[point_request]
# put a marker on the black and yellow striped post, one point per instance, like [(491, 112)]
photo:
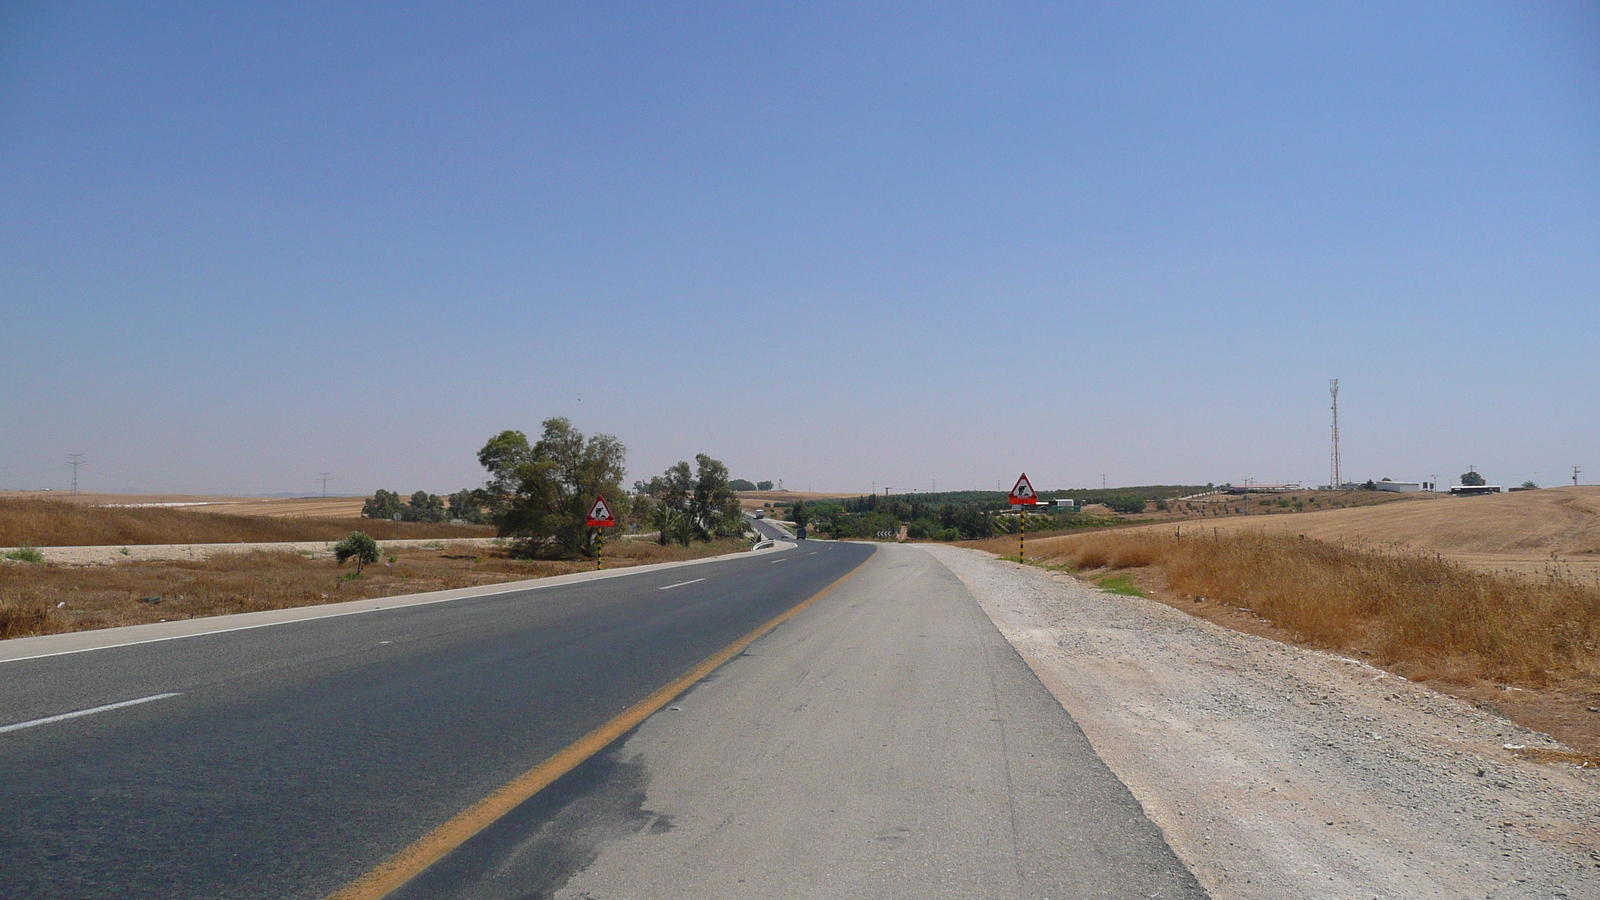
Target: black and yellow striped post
[(600, 548), (1024, 496), (1022, 537)]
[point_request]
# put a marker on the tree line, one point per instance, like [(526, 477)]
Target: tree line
[(462, 506), (953, 516), (538, 494)]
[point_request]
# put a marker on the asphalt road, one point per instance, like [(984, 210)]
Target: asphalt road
[(285, 761), (886, 741), (769, 529)]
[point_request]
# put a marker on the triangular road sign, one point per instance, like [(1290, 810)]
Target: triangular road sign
[(600, 514), (1023, 493)]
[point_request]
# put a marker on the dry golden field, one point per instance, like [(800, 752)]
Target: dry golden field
[(317, 507), (1489, 598), (754, 500), (1525, 533), (53, 523)]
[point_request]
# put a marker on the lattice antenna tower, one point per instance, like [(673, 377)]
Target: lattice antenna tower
[(1334, 477), (75, 461)]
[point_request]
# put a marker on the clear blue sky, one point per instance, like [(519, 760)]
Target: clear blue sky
[(835, 244)]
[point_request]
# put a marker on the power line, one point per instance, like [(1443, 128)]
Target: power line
[(325, 476), (76, 461), (1575, 471)]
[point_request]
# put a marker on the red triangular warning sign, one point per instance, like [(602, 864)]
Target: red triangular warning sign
[(600, 514), (1023, 492)]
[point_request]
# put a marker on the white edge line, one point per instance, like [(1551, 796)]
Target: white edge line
[(781, 559), (83, 712), (679, 584), (332, 615)]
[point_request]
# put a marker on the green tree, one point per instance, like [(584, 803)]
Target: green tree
[(715, 510), (1530, 485), (540, 493), (1126, 503), (739, 484), (672, 525), (423, 507), (358, 546), (799, 514), (671, 492), (763, 485), (1472, 478), (382, 505), (696, 504), (467, 506)]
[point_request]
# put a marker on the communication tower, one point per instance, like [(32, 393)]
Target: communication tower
[(1334, 478)]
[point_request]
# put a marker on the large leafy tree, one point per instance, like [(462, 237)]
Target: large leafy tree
[(1472, 477), (467, 506), (424, 507), (673, 491), (382, 505), (540, 493), (715, 509), (696, 504)]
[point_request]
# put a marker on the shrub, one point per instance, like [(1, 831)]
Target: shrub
[(1126, 504), (358, 546), (27, 553)]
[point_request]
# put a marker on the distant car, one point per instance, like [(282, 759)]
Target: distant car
[(760, 514), (800, 533)]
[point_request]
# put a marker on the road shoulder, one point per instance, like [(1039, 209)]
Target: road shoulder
[(885, 742), (1276, 771)]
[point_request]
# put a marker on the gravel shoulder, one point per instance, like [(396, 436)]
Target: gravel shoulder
[(1275, 771)]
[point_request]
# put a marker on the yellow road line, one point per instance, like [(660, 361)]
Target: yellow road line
[(431, 847)]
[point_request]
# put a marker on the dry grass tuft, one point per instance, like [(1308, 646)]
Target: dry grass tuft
[(1421, 616), (54, 523), (47, 599)]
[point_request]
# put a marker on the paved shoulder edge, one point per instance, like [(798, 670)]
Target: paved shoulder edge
[(19, 649)]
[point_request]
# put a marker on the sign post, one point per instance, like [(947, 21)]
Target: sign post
[(600, 516), (1023, 495)]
